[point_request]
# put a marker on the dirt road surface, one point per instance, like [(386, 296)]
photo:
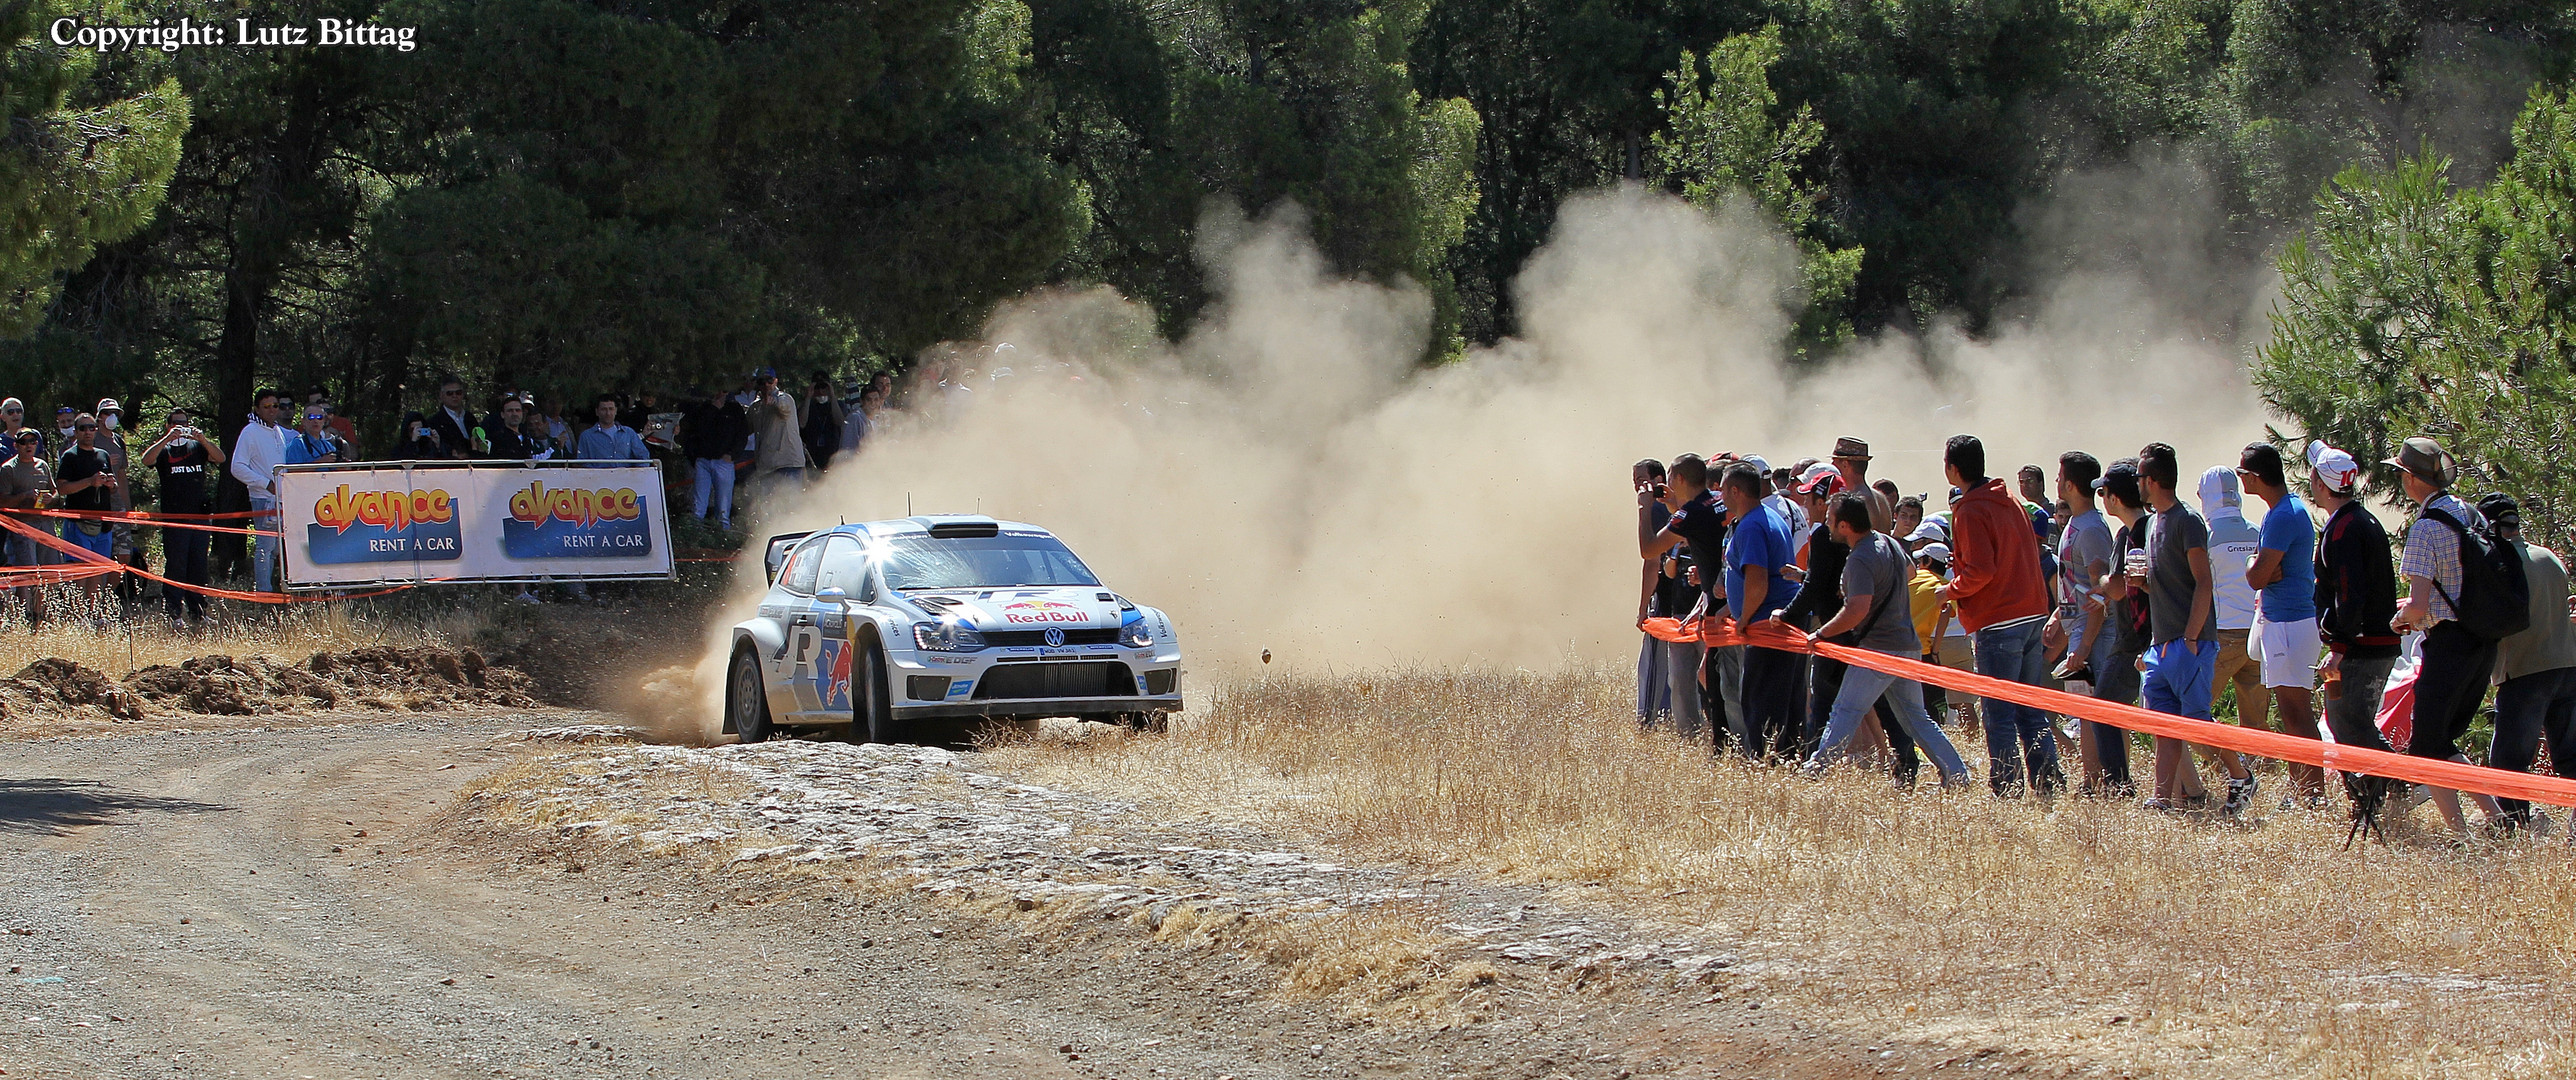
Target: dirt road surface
[(275, 903)]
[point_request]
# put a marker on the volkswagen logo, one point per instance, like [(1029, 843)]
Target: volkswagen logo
[(1055, 637)]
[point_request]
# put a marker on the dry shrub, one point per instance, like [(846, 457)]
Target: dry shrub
[(2257, 948), (77, 630)]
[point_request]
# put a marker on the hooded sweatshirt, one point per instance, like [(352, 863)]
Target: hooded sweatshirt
[(1994, 562), (2233, 543)]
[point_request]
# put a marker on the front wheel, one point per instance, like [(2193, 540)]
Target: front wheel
[(746, 701), (872, 703)]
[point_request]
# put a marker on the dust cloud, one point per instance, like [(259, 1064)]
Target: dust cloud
[(1284, 477)]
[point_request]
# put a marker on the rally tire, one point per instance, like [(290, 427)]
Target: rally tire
[(746, 700), (871, 700)]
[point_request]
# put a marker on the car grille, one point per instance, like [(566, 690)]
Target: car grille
[(1106, 635), (1160, 683), (1057, 681)]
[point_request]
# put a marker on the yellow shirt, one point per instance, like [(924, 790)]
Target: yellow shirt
[(1927, 606)]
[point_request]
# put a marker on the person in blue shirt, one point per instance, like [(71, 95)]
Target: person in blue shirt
[(1759, 550), (314, 441), (609, 440), (2285, 570)]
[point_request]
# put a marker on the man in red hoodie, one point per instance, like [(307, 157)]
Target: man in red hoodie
[(2003, 603)]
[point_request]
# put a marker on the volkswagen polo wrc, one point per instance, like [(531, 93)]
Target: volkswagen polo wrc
[(894, 627)]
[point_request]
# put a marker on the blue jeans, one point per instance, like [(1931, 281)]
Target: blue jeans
[(1654, 693), (263, 547), (1681, 677), (1861, 692), (2178, 676), (2114, 679), (714, 484), (2017, 735)]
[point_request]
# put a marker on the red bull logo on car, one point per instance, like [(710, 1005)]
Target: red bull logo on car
[(1043, 611), (575, 523), (382, 525)]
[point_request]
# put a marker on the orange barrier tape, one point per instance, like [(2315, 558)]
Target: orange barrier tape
[(140, 519), (153, 517), (2352, 759), (102, 565)]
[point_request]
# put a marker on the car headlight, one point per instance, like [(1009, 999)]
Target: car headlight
[(1135, 636), (946, 637)]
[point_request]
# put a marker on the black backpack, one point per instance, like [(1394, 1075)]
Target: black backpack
[(2495, 600)]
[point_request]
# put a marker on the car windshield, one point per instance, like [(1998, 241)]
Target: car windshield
[(980, 562)]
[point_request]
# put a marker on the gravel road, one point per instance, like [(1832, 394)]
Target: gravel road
[(275, 903)]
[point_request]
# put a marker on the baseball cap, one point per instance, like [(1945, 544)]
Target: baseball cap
[(1758, 464), (2338, 468), (2427, 460), (2500, 510), (109, 405), (1933, 529), (764, 373), (1939, 553), (65, 410), (1819, 478)]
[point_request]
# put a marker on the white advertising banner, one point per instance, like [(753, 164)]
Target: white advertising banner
[(442, 522)]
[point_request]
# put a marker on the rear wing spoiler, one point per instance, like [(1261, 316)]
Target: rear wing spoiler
[(777, 554)]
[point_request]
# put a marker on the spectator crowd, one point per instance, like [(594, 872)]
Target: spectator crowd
[(2112, 582), (718, 448)]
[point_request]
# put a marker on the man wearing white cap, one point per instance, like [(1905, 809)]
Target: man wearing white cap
[(2356, 596)]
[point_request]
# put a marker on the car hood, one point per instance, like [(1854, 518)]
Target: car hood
[(1025, 609)]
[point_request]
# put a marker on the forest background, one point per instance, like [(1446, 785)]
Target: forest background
[(570, 196)]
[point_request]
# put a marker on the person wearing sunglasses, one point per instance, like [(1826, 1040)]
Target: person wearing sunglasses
[(13, 419), (27, 483), (452, 422), (259, 449), (86, 477), (313, 440), (184, 457)]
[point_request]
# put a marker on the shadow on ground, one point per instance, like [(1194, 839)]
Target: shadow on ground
[(49, 807)]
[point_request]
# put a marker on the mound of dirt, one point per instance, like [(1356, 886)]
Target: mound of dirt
[(53, 681), (379, 677)]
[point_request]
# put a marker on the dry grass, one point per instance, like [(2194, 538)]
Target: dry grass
[(76, 630), (2092, 932)]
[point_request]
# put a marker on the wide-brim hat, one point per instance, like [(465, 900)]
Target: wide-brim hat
[(2427, 461)]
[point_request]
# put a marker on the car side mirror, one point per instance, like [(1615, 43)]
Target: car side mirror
[(831, 594)]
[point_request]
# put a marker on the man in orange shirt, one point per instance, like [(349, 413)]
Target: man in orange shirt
[(2003, 602)]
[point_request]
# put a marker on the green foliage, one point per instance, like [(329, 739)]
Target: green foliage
[(2414, 307), (1721, 139), (85, 161)]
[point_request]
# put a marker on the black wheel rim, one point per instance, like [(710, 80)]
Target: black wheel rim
[(746, 697)]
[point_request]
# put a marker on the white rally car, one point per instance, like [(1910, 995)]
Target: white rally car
[(889, 626)]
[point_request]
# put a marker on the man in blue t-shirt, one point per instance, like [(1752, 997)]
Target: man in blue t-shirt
[(1758, 551), (2285, 569)]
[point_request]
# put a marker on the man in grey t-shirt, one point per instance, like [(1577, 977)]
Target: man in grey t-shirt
[(2182, 651), (1877, 605)]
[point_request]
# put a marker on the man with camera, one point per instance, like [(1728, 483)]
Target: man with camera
[(184, 456)]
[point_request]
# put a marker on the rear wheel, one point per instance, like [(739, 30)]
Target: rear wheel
[(746, 701), (872, 703)]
